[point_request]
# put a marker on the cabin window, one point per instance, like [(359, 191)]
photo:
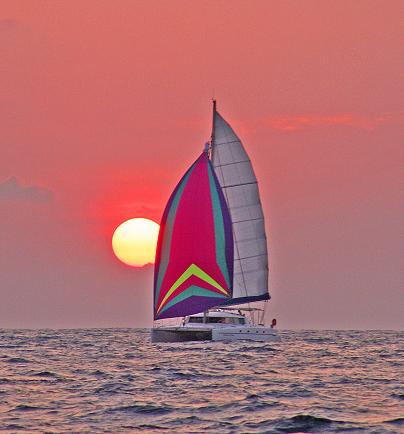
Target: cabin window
[(196, 319), (217, 320), (225, 320), (236, 321)]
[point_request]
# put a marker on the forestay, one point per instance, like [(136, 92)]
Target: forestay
[(237, 179)]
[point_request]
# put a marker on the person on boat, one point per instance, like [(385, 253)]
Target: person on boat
[(273, 324)]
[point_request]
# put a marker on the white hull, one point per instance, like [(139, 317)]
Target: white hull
[(250, 333)]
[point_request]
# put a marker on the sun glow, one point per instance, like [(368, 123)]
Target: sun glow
[(134, 241)]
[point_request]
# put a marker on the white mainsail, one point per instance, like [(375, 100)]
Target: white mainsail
[(237, 179)]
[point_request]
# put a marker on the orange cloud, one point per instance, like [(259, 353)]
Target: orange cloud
[(306, 121)]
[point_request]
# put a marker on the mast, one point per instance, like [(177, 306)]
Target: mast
[(212, 137)]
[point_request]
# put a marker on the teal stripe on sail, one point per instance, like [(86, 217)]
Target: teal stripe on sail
[(168, 231), (219, 228), (189, 292)]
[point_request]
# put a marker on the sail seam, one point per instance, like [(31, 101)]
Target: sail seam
[(251, 239), (226, 143), (248, 220), (244, 206), (249, 257), (234, 162), (238, 185)]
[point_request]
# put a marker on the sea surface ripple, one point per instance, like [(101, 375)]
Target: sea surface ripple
[(115, 380)]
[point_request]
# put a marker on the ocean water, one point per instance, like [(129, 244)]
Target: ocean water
[(115, 380)]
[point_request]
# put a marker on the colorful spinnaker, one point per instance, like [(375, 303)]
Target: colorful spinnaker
[(194, 258)]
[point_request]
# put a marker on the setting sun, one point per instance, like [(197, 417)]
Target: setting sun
[(134, 241)]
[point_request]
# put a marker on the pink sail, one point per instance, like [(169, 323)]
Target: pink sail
[(194, 258)]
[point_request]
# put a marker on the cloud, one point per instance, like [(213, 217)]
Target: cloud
[(310, 121), (13, 190)]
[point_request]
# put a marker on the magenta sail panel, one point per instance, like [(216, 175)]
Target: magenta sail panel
[(194, 258)]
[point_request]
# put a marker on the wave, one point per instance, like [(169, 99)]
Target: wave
[(141, 409), (215, 408), (45, 374), (18, 360), (308, 423), (259, 406), (201, 387), (98, 373), (398, 421), (24, 407), (12, 427), (112, 388), (149, 428), (251, 349)]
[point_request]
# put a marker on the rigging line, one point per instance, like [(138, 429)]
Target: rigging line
[(262, 319)]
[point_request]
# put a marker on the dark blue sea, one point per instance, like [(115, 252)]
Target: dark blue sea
[(116, 381)]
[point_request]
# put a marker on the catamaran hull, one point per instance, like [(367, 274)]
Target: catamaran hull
[(192, 334), (180, 334), (258, 334)]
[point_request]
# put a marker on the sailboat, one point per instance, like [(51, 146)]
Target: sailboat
[(211, 267)]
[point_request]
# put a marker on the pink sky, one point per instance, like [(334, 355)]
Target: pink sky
[(103, 106)]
